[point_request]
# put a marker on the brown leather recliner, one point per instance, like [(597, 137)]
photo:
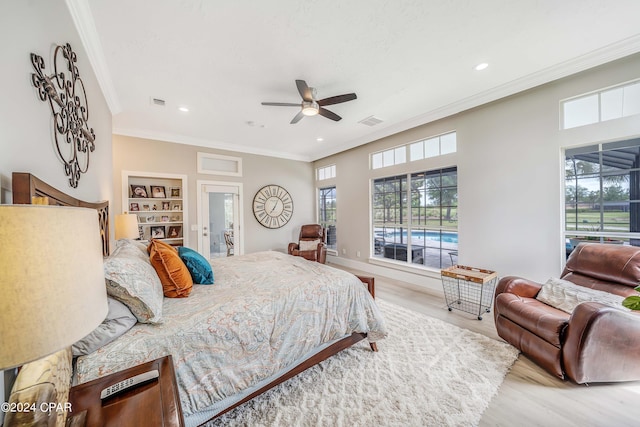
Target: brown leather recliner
[(596, 342), (312, 243)]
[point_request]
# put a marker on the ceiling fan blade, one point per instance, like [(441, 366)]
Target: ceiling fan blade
[(281, 104), (297, 118), (329, 114), (337, 99), (305, 91)]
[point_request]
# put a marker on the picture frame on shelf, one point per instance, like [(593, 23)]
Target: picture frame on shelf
[(146, 208), (175, 218), (175, 191), (139, 191), (133, 206), (176, 207), (165, 218), (157, 192), (165, 206), (141, 232), (174, 231), (151, 218), (157, 232), (142, 219)]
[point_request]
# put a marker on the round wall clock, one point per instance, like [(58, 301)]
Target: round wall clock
[(272, 206)]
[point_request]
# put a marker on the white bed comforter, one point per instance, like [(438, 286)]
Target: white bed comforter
[(265, 311)]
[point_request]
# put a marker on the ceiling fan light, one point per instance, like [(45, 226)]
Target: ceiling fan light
[(310, 108)]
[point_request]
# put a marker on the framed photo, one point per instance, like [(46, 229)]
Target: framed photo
[(174, 231), (134, 207), (176, 207), (165, 206), (142, 218), (146, 208), (165, 218), (175, 218), (175, 191), (157, 192), (157, 232), (151, 218), (139, 191)]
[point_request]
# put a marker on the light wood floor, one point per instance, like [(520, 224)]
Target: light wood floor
[(529, 396)]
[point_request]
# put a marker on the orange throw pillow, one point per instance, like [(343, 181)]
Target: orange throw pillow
[(173, 273)]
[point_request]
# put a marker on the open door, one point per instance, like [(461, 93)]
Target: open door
[(219, 219)]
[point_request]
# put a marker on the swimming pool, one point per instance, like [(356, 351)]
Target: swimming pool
[(436, 236)]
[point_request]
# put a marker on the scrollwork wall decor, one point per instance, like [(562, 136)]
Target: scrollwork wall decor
[(65, 92)]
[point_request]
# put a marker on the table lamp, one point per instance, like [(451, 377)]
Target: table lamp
[(52, 289), (127, 226)]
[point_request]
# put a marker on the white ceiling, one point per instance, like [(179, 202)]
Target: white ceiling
[(409, 62)]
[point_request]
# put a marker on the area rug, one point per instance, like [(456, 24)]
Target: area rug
[(427, 373)]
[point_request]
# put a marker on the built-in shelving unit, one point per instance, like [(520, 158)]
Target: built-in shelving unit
[(159, 201)]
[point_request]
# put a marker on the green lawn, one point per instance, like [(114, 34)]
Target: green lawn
[(590, 220)]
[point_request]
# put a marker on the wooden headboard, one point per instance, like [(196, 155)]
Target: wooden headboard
[(25, 186)]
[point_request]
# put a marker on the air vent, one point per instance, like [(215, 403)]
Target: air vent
[(157, 101), (370, 121)]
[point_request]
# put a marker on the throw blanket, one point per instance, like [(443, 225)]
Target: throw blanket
[(265, 311)]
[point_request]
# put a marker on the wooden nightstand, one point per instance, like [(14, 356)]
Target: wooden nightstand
[(155, 403)]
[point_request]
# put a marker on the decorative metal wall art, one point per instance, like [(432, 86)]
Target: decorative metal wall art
[(64, 89)]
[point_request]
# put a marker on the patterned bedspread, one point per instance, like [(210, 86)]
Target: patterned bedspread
[(265, 311)]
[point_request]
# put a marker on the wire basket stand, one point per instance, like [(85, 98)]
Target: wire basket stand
[(469, 289)]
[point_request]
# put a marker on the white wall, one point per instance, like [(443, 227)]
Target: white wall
[(510, 168), (25, 121), (26, 139)]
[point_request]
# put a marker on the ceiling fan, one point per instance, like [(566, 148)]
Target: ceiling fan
[(312, 106)]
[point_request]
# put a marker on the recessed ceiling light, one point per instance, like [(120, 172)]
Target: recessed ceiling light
[(319, 139), (183, 109), (481, 66)]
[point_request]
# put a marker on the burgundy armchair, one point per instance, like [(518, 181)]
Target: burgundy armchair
[(596, 342), (311, 244)]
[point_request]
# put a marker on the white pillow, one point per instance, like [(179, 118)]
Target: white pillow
[(565, 295), (118, 321), (309, 245), (132, 280)]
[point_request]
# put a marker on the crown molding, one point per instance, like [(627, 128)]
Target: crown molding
[(181, 139), (83, 20), (584, 62)]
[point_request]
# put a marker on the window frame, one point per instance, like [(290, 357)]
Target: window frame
[(587, 215), (329, 224), (386, 224)]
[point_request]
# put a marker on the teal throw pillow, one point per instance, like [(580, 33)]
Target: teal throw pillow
[(200, 269)]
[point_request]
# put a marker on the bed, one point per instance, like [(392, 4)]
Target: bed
[(267, 317)]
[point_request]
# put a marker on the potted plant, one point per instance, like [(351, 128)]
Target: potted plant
[(632, 302)]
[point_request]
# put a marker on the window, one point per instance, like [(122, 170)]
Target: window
[(602, 194), (327, 214), (326, 172), (393, 156), (607, 104), (432, 147), (216, 164), (415, 217), (436, 146)]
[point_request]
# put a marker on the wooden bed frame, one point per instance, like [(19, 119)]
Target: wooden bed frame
[(25, 186)]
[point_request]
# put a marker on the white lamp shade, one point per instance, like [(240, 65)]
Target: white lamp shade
[(127, 226), (52, 288)]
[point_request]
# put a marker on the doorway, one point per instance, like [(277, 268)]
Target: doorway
[(220, 219)]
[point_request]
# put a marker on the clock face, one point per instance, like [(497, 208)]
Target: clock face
[(273, 206)]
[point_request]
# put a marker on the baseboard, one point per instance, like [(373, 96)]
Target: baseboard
[(423, 278)]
